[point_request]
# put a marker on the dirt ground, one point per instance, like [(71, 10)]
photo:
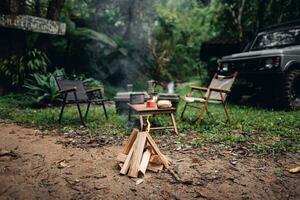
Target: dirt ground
[(36, 165)]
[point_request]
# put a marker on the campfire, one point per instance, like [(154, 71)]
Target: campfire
[(141, 153)]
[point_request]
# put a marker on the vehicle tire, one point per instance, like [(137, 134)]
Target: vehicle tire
[(291, 90)]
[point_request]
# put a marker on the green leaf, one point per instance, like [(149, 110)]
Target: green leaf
[(86, 33)]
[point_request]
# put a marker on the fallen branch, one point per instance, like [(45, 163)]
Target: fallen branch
[(8, 153)]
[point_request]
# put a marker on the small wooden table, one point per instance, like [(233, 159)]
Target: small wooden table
[(142, 111)]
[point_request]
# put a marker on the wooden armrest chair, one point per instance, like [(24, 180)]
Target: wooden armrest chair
[(73, 92), (215, 93)]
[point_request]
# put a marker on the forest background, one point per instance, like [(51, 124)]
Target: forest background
[(116, 42)]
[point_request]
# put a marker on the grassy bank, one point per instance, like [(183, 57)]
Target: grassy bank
[(259, 129)]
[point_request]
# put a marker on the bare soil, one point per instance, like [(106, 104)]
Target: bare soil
[(35, 165)]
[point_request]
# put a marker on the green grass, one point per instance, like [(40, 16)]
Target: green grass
[(261, 130), (17, 108)]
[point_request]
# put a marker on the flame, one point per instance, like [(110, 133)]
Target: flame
[(148, 125)]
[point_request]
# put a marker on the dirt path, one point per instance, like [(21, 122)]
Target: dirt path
[(31, 170)]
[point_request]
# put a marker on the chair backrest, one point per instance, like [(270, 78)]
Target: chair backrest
[(69, 84), (137, 98), (221, 82)]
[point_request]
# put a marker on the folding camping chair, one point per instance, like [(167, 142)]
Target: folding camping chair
[(216, 93), (73, 92)]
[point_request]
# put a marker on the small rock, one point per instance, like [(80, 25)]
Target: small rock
[(233, 162), (38, 132), (178, 149), (62, 164)]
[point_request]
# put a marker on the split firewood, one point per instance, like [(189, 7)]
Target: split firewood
[(155, 159), (164, 160), (137, 154), (125, 166), (155, 167), (140, 154), (121, 157), (144, 162), (130, 141)]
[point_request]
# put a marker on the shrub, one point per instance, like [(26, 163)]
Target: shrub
[(42, 88), (17, 68)]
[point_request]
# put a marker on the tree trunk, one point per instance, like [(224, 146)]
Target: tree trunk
[(12, 7), (237, 16), (53, 13), (37, 8), (130, 20), (54, 9)]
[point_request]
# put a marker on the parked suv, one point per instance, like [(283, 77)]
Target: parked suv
[(271, 62)]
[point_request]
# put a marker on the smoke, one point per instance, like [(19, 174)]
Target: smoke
[(130, 23)]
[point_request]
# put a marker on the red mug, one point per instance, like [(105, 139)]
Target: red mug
[(150, 104)]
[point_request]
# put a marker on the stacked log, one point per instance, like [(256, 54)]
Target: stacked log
[(140, 154)]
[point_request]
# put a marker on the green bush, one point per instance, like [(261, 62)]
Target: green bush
[(17, 68), (42, 88)]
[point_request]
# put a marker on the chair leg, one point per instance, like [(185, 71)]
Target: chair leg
[(226, 112), (174, 123), (80, 114), (185, 105), (62, 108), (208, 113), (104, 109), (129, 115), (78, 108), (87, 110), (202, 115)]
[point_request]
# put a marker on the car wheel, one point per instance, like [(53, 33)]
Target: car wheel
[(292, 89)]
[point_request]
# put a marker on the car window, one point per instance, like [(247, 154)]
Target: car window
[(277, 39)]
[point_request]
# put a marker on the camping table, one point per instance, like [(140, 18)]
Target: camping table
[(142, 111)]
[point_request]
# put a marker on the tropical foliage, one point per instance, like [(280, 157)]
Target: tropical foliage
[(179, 32), (42, 88), (17, 68), (120, 42)]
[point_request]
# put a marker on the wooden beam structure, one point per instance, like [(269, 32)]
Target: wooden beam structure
[(34, 24)]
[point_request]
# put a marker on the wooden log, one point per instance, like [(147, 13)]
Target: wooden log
[(155, 167), (130, 141), (121, 157), (126, 164), (155, 159), (144, 163), (164, 160), (137, 154)]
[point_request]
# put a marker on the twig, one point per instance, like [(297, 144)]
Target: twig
[(178, 179)]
